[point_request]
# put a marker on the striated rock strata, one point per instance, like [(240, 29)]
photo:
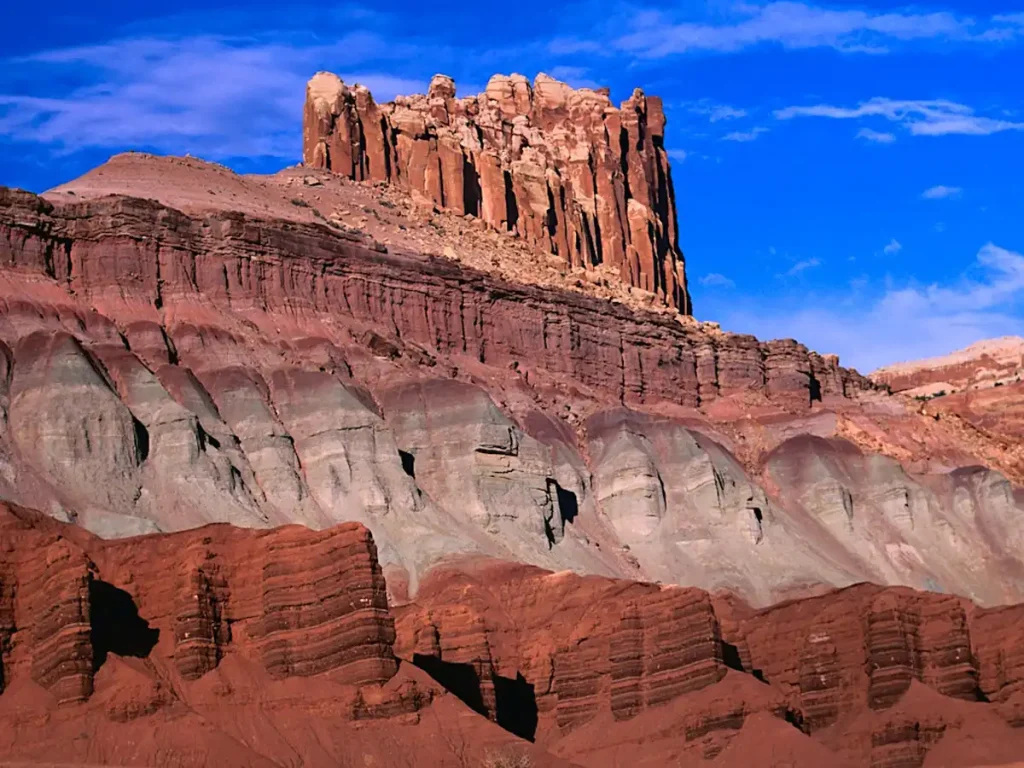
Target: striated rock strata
[(255, 647), (568, 171), (874, 675), (165, 370)]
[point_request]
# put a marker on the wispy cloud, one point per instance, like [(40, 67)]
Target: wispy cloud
[(215, 96), (877, 137), (577, 77), (936, 117), (932, 319), (725, 112), (798, 25), (803, 266), (752, 135), (941, 192), (716, 280), (893, 247), (678, 155)]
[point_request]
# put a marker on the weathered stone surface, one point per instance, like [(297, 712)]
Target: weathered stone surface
[(219, 620), (585, 647), (572, 174), (62, 650), (324, 606), (861, 647), (270, 372), (302, 602)]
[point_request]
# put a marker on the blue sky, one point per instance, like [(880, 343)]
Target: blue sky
[(848, 175)]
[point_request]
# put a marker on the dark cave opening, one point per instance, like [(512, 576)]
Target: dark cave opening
[(116, 626), (408, 463)]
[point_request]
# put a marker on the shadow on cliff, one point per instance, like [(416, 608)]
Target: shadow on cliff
[(116, 626), (515, 703)]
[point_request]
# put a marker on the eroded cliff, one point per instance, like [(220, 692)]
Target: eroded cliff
[(164, 370), (565, 169), (241, 648)]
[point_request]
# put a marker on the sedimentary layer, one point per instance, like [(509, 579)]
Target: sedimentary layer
[(246, 647), (164, 370)]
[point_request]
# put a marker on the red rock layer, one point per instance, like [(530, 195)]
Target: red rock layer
[(56, 589), (862, 646), (123, 247), (872, 675), (604, 646), (1001, 659), (324, 606), (844, 666), (569, 172), (297, 601)]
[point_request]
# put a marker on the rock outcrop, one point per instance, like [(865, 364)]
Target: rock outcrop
[(565, 169), (299, 602), (165, 370), (254, 647), (875, 676), (218, 645), (985, 364)]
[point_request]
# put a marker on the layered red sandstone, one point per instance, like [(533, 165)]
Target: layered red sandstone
[(106, 249), (875, 676), (251, 647), (565, 169)]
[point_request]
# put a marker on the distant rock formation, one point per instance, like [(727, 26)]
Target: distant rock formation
[(567, 170), (985, 364)]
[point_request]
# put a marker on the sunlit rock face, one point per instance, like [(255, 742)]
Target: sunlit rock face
[(565, 169)]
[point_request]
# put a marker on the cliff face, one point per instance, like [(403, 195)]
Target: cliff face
[(253, 648), (163, 370), (568, 171), (873, 676)]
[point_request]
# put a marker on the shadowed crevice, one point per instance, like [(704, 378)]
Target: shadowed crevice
[(516, 706), (116, 626), (459, 679), (568, 504), (408, 463)]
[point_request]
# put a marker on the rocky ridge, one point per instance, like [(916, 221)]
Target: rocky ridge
[(988, 363), (568, 172)]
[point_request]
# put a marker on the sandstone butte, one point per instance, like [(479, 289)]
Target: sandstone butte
[(336, 467)]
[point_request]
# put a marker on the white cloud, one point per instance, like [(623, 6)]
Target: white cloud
[(574, 76), (744, 136), (798, 25), (678, 154), (716, 280), (1010, 18), (941, 192), (802, 266), (725, 112), (894, 247), (218, 97), (923, 117), (878, 137), (870, 329)]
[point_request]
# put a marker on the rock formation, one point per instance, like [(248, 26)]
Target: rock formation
[(246, 647), (166, 369), (327, 431), (988, 363), (877, 676), (565, 169)]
